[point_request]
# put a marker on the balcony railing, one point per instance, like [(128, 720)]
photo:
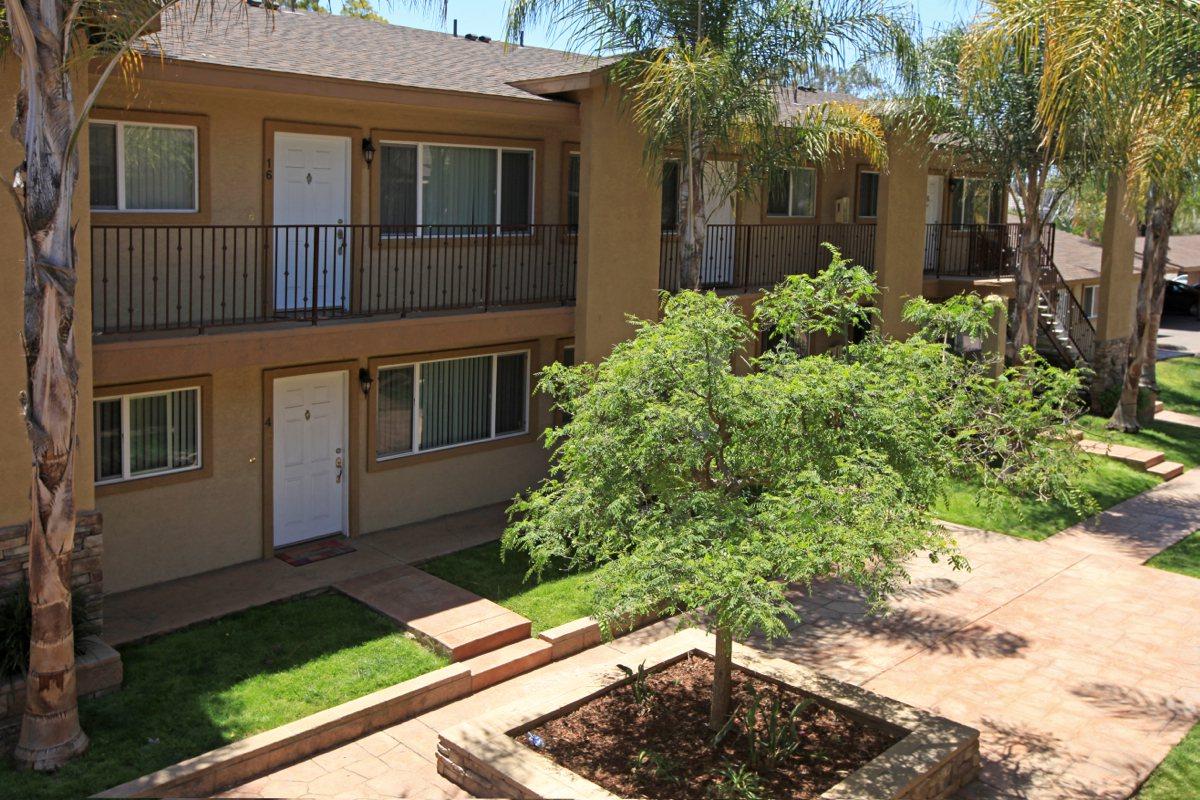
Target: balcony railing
[(749, 257), (978, 251), (169, 277)]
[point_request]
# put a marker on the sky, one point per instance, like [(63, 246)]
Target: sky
[(486, 17)]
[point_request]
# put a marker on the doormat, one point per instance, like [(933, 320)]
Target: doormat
[(310, 552)]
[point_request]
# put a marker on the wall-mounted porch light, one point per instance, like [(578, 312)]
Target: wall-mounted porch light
[(368, 150), (365, 380)]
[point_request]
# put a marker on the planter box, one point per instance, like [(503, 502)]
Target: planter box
[(933, 759), (98, 671)]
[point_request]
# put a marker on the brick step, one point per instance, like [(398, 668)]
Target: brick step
[(1133, 456), (508, 662), (1166, 470), (1159, 407)]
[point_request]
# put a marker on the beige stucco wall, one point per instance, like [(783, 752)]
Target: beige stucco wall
[(158, 532), (14, 443), (900, 233)]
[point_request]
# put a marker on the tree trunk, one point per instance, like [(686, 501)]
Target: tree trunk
[(1150, 371), (691, 207), (722, 689), (1159, 214), (1028, 276), (50, 732)]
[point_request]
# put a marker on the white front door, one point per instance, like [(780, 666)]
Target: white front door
[(719, 244), (312, 197), (310, 475), (935, 190)]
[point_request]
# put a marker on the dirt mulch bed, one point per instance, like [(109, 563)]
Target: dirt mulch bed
[(662, 748)]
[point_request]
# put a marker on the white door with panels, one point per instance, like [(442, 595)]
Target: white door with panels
[(310, 464), (935, 191), (311, 199), (719, 245)]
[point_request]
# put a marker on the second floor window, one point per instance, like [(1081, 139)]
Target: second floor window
[(138, 167), (670, 196), (573, 182), (976, 201), (868, 195), (792, 193), (428, 184)]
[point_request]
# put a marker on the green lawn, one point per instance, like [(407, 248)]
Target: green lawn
[(1177, 777), (190, 691), (1108, 481), (1182, 557), (556, 599), (1179, 384)]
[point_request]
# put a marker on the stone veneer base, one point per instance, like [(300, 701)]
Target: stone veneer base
[(934, 758)]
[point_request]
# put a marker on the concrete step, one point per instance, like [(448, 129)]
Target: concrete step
[(447, 617), (1133, 456), (1159, 407), (508, 662), (1166, 470)]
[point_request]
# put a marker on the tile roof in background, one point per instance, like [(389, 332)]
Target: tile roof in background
[(347, 48)]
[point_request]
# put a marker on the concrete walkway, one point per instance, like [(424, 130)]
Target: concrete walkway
[(1080, 666), (142, 613)]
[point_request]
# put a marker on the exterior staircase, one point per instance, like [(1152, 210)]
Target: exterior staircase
[(1066, 335)]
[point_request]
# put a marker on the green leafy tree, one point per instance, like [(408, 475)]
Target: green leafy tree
[(699, 488), (708, 77)]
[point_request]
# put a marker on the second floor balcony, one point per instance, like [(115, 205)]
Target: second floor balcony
[(150, 278)]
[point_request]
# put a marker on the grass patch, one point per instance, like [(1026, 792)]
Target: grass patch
[(1177, 442), (1177, 777), (1179, 384), (1182, 557), (197, 689), (547, 603), (1107, 481)]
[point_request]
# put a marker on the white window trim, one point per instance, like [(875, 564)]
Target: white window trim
[(120, 126), (500, 151), (126, 475), (416, 405), (858, 197), (792, 194)]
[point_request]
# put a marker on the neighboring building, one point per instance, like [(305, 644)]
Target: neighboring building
[(326, 258)]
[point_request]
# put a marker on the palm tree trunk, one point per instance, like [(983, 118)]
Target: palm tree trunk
[(1160, 214), (1029, 275), (691, 206), (50, 732), (1150, 371), (722, 689)]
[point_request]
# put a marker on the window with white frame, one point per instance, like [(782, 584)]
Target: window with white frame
[(1090, 293), (432, 405), (146, 434), (433, 184), (976, 201), (135, 166), (792, 193)]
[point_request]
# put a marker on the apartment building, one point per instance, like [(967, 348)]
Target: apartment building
[(322, 261)]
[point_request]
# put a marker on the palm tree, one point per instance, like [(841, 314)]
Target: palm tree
[(983, 106), (53, 41), (704, 77), (1124, 65)]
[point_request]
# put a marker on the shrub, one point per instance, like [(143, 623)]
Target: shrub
[(16, 626)]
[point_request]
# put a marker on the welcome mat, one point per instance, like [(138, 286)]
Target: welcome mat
[(310, 552)]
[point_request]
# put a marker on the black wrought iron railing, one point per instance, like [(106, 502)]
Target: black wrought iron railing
[(169, 277), (1067, 317), (978, 251), (749, 257)]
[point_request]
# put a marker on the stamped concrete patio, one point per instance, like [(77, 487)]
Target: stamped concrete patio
[(1080, 666)]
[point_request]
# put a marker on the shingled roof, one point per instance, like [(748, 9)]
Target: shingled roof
[(347, 48)]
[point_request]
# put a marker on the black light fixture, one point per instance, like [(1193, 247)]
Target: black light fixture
[(368, 148), (364, 377)]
